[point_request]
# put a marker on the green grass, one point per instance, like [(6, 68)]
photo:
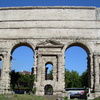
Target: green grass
[(20, 97), (97, 98), (25, 97)]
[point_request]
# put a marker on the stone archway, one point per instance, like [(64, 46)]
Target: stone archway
[(49, 51), (48, 90), (22, 62), (21, 43), (49, 31), (77, 65), (89, 62)]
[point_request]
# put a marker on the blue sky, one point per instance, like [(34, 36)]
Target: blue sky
[(75, 59), (10, 3), (23, 59), (75, 56)]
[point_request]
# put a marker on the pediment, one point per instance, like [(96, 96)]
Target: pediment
[(50, 43)]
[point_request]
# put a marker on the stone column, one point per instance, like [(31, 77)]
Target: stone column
[(63, 71), (39, 86), (59, 69), (35, 68), (91, 72), (5, 77), (35, 62), (96, 61), (60, 73), (99, 71), (39, 68)]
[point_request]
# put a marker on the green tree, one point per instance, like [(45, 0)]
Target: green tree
[(72, 79), (84, 79), (27, 80), (67, 78), (50, 76), (14, 78), (76, 83), (21, 80)]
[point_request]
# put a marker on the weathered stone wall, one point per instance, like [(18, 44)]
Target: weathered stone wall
[(68, 22), (49, 31)]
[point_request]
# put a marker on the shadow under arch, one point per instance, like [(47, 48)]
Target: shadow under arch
[(49, 62), (48, 89)]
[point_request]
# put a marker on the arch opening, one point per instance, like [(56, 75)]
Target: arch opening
[(22, 66), (49, 71), (0, 67), (48, 90), (77, 66)]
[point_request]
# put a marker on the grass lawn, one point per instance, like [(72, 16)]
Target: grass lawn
[(97, 98), (20, 97), (25, 97)]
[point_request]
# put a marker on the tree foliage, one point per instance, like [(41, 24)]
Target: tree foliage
[(21, 80), (14, 78), (74, 80), (50, 75), (84, 79), (26, 80)]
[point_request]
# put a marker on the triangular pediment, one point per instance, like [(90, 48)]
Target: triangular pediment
[(50, 43)]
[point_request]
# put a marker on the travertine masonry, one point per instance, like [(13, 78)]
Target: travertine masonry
[(49, 31)]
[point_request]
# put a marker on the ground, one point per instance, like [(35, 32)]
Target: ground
[(29, 97), (26, 97), (20, 97)]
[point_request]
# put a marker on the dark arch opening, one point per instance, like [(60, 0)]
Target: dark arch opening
[(0, 67), (48, 90), (79, 65), (48, 71)]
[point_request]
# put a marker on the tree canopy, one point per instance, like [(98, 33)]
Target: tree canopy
[(74, 80), (21, 80)]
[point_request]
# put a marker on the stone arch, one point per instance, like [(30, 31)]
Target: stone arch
[(18, 44), (49, 62), (81, 44), (48, 89), (88, 50)]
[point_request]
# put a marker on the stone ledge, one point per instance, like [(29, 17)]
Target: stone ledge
[(48, 7)]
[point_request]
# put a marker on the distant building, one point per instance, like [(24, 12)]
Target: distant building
[(25, 72)]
